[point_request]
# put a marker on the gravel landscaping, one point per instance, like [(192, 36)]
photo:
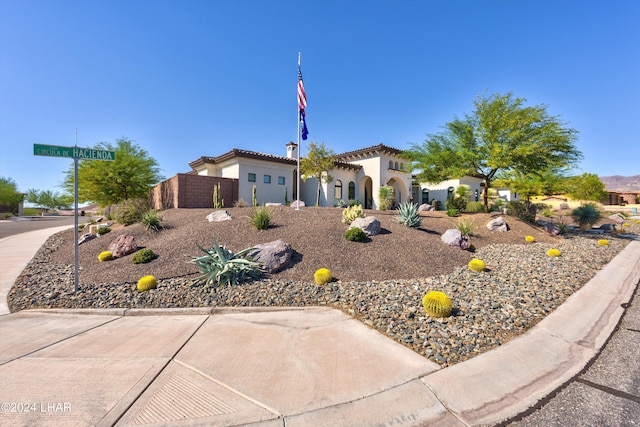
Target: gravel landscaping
[(380, 281)]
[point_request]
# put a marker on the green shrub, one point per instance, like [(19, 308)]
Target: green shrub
[(130, 211), (453, 212), (143, 256), (322, 276), (465, 227), (385, 194), (7, 215), (147, 282), (355, 234), (105, 256), (546, 212), (586, 215), (437, 304), (220, 266), (103, 230), (350, 213), (522, 210), (152, 219), (475, 207), (340, 203), (408, 215), (260, 217)]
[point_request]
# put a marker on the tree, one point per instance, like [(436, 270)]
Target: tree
[(48, 199), (500, 136), (9, 195), (131, 175), (317, 164), (586, 187), (532, 184)]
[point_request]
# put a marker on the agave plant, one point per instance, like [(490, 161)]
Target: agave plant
[(408, 214), (220, 266)]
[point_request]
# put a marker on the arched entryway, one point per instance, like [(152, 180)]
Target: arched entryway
[(366, 188), (400, 191)]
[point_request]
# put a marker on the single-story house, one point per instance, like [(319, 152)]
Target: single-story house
[(357, 175), (426, 192)]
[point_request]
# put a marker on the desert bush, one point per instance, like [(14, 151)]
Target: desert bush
[(240, 203), (220, 266), (260, 217), (546, 212), (340, 203), (586, 215), (152, 219), (522, 210), (465, 227), (355, 234), (103, 230), (385, 194), (437, 304), (475, 207), (453, 212), (143, 256), (322, 276), (130, 211), (147, 282), (477, 265), (105, 256), (408, 214), (350, 213)]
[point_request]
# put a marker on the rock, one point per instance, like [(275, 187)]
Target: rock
[(273, 204), (218, 216), (274, 256), (608, 227), (564, 206), (617, 218), (451, 237), (425, 207), (86, 237), (295, 204), (498, 224), (549, 227), (370, 225), (123, 245)]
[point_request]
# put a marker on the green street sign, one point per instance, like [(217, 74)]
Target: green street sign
[(73, 152)]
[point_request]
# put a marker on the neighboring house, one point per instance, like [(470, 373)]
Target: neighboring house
[(357, 175), (426, 192)]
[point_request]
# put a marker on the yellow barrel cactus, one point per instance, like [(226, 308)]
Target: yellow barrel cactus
[(147, 282), (322, 276), (603, 242), (553, 253), (437, 304), (530, 239), (477, 265), (105, 256)]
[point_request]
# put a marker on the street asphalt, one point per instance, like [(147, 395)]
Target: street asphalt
[(312, 366)]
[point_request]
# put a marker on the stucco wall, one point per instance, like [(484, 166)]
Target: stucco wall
[(192, 191)]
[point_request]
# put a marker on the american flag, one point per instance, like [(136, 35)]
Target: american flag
[(302, 97)]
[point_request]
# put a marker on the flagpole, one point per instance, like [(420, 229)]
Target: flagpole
[(298, 151)]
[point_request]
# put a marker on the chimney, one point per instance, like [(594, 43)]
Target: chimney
[(292, 150)]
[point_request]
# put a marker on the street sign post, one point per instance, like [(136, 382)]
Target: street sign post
[(76, 153)]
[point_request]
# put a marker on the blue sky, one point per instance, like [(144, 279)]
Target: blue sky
[(187, 78)]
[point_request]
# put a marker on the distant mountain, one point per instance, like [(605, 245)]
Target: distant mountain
[(621, 183)]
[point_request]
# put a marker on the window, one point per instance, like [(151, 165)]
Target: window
[(397, 167), (267, 179), (252, 177), (450, 191), (281, 180), (390, 164), (352, 190), (337, 191), (425, 195)]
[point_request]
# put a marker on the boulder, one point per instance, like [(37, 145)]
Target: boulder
[(453, 237), (86, 237), (295, 204), (273, 204), (549, 227), (218, 216), (617, 218), (123, 245), (274, 256), (425, 207), (370, 225), (498, 224)]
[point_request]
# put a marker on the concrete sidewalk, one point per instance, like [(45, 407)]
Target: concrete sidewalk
[(299, 366)]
